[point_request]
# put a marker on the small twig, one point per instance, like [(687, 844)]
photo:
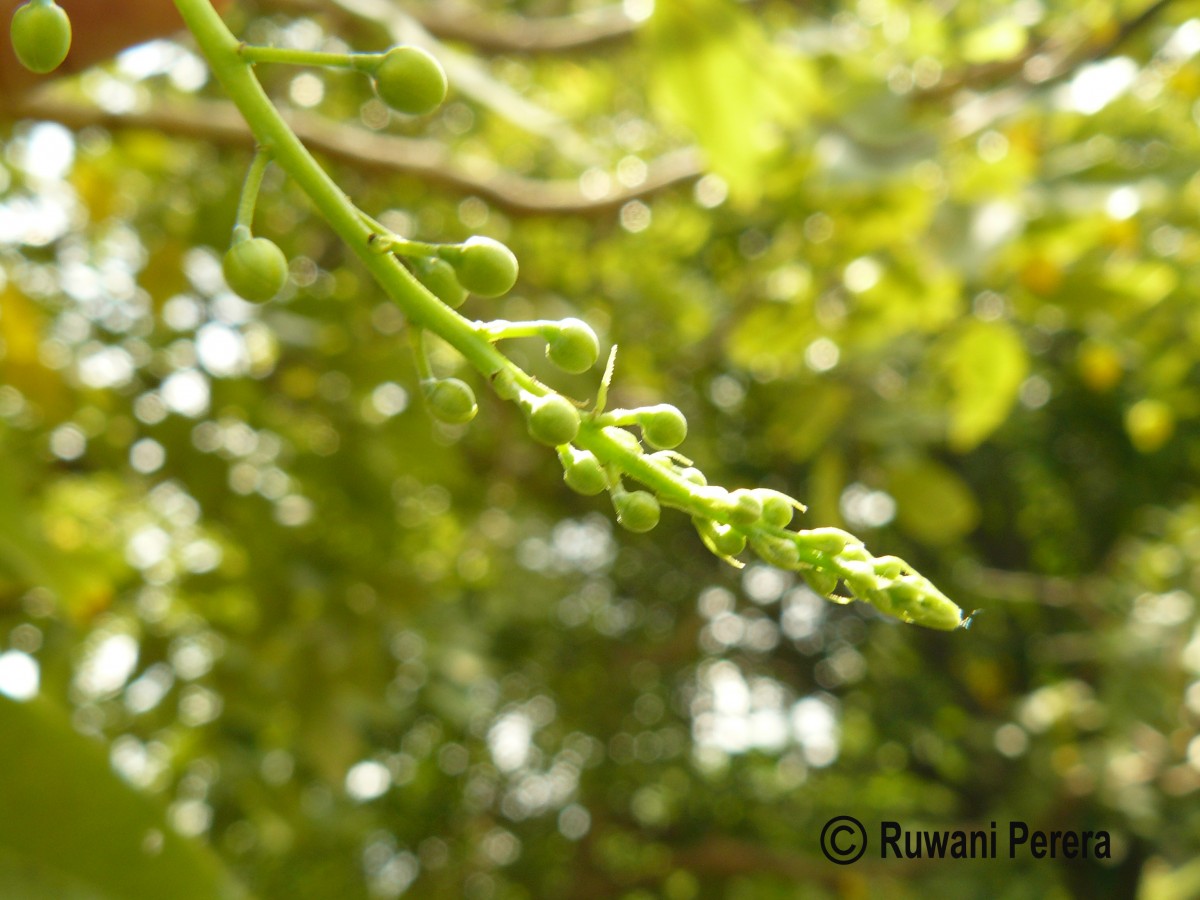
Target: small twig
[(506, 33), (1062, 61), (517, 34), (515, 194), (1060, 66)]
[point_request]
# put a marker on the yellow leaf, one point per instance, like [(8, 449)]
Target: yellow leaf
[(985, 365), (717, 74), (933, 504)]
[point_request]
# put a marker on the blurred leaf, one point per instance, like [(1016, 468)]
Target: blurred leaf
[(69, 820), (985, 364), (934, 505), (717, 74), (21, 325), (1000, 40), (1150, 424)]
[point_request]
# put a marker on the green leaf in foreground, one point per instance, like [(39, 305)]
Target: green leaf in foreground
[(69, 827)]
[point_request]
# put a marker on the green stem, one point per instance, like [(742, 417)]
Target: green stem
[(384, 240), (502, 330), (234, 72), (405, 247), (910, 597), (243, 226), (360, 62), (420, 357)]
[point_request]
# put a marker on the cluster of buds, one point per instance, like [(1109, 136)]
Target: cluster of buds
[(629, 453), (728, 522)]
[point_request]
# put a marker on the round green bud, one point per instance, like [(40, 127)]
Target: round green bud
[(663, 426), (890, 567), (41, 36), (572, 346), (728, 541), (777, 509), (484, 266), (411, 81), (822, 583), (626, 439), (745, 507), (779, 552), (450, 400), (438, 276), (862, 584), (552, 420), (694, 475), (255, 269), (723, 540), (828, 540), (584, 474), (637, 511)]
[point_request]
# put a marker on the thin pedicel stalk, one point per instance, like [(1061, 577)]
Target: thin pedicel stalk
[(244, 223), (361, 62)]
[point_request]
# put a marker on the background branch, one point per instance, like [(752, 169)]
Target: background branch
[(517, 34), (219, 121), (1060, 64)]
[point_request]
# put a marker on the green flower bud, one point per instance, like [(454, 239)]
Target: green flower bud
[(745, 507), (779, 552), (483, 266), (913, 599), (663, 426), (255, 269), (822, 583), (777, 508), (860, 577), (637, 511), (411, 81), (723, 540), (828, 540), (890, 567), (583, 473), (694, 475), (438, 276), (41, 36), (450, 400), (572, 346), (552, 419)]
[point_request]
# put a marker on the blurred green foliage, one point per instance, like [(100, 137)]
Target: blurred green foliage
[(939, 281)]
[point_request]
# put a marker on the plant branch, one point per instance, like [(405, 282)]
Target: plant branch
[(507, 32), (824, 556), (1061, 61), (519, 34), (221, 123), (1059, 64)]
